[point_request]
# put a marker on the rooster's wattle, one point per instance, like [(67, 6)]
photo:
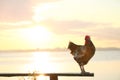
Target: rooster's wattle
[(82, 53)]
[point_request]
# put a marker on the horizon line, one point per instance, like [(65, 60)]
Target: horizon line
[(55, 49)]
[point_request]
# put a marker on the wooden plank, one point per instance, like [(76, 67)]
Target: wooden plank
[(73, 74), (45, 74)]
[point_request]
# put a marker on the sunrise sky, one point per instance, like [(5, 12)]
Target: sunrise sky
[(31, 24)]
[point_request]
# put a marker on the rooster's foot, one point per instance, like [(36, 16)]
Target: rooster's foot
[(85, 73)]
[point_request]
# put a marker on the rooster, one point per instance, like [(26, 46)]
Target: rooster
[(82, 53)]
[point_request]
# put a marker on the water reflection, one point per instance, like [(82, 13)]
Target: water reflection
[(41, 63)]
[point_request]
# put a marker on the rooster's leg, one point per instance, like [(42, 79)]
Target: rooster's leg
[(82, 68)]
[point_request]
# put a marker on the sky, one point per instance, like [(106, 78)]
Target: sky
[(49, 24)]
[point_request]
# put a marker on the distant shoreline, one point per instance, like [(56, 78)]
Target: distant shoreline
[(108, 49), (57, 49)]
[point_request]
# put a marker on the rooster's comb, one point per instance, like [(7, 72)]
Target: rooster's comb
[(87, 37)]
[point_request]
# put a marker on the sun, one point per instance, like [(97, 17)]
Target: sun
[(37, 33), (36, 36)]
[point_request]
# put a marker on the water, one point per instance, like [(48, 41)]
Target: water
[(105, 65)]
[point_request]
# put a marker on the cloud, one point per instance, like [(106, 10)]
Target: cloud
[(14, 25), (15, 10), (105, 31), (18, 10), (108, 33), (71, 27), (100, 31), (43, 1)]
